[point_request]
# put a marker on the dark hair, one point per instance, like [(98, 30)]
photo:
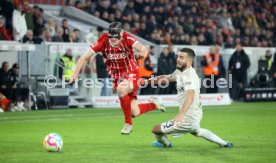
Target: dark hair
[(190, 52), (15, 65), (35, 7), (3, 63), (41, 10), (117, 25)]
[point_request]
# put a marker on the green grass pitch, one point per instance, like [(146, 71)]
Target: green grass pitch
[(93, 136)]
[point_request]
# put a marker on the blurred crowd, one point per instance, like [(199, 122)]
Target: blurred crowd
[(21, 22), (191, 22), (186, 22)]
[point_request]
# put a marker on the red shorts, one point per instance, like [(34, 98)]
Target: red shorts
[(134, 77)]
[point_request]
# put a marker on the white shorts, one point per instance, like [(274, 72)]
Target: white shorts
[(188, 127)]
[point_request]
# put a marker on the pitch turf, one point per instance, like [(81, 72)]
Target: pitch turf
[(93, 136)]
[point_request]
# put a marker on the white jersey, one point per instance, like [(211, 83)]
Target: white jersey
[(188, 79)]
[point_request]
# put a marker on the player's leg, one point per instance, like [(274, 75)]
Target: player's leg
[(123, 89), (210, 136), (141, 108), (161, 136)]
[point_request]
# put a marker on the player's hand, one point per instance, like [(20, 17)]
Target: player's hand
[(138, 55), (73, 78), (179, 120)]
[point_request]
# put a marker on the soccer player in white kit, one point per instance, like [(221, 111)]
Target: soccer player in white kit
[(190, 109)]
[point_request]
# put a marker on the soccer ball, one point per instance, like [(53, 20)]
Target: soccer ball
[(53, 142)]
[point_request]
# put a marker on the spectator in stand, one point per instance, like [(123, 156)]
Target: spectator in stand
[(92, 36), (201, 40), (102, 7), (103, 76), (6, 9), (89, 7), (212, 68), (5, 83), (153, 59), (78, 5), (39, 27), (226, 22), (46, 35), (38, 21), (238, 66), (52, 26), (118, 15), (72, 37), (28, 15), (77, 34), (222, 69), (19, 89), (19, 23), (193, 40), (4, 33), (166, 65), (66, 31), (229, 43), (129, 9), (58, 37), (146, 72), (30, 39)]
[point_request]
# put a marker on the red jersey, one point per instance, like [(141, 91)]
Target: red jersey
[(120, 60)]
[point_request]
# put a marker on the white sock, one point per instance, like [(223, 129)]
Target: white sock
[(163, 139), (208, 135)]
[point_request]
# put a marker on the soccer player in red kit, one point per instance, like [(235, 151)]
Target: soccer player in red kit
[(117, 46)]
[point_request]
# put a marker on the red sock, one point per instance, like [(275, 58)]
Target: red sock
[(146, 107), (126, 107)]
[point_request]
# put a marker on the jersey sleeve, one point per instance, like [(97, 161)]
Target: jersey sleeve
[(99, 44), (189, 82), (172, 77), (130, 40)]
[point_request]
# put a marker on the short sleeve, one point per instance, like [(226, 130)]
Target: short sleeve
[(130, 40), (189, 82), (98, 45), (173, 76)]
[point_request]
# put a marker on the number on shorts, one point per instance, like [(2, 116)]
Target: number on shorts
[(167, 125)]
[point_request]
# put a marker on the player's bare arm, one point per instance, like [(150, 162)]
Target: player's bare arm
[(162, 79), (142, 49), (89, 53), (186, 105)]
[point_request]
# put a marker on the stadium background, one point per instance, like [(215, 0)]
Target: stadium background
[(248, 125)]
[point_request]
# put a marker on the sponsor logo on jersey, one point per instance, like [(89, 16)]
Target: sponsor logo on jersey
[(180, 89), (117, 56)]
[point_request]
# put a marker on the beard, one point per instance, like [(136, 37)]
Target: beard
[(181, 67)]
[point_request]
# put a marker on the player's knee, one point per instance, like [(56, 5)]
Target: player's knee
[(156, 129), (135, 113), (121, 92)]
